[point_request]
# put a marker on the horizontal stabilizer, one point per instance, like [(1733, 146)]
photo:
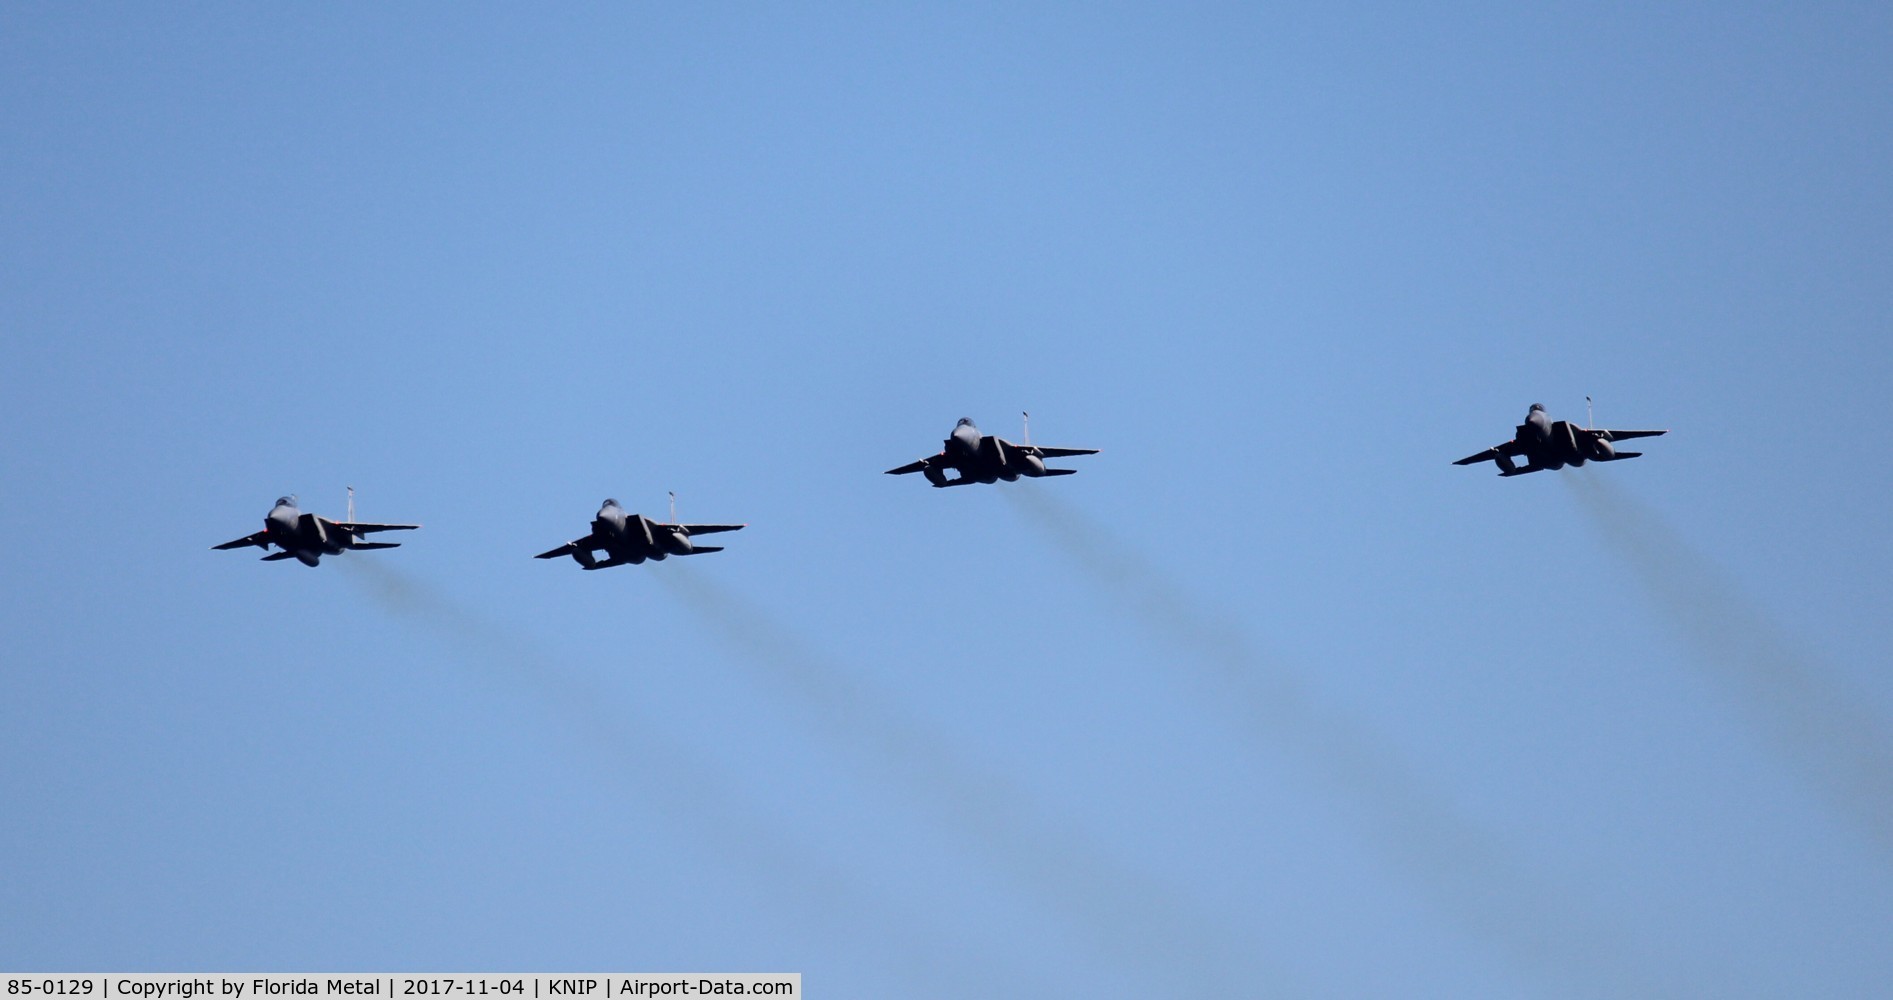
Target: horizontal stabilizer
[(1058, 472), (1620, 456), (708, 529), (608, 563), (272, 557), (1061, 452), (376, 545), (699, 550)]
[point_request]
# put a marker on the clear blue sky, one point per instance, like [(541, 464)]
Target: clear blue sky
[(1269, 698)]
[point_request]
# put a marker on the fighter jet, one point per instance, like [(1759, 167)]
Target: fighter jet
[(983, 458), (1554, 444), (633, 538), (309, 537)]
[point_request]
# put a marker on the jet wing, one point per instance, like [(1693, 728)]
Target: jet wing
[(710, 529), (260, 540), (1058, 452), (919, 466), (586, 544), (362, 528), (1490, 454), (1627, 435)]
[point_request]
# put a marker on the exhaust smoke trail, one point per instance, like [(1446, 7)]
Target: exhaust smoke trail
[(1809, 710), (1125, 913), (1462, 871), (683, 786)]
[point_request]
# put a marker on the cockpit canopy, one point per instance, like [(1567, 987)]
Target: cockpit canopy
[(965, 422), (1536, 408), (609, 502), (288, 501)]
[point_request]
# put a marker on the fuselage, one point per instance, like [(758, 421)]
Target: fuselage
[(985, 458), (284, 525), (306, 536), (634, 538), (1554, 444), (964, 441)]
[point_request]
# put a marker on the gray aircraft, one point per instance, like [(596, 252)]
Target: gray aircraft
[(983, 458), (1553, 444), (309, 537), (633, 538)]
